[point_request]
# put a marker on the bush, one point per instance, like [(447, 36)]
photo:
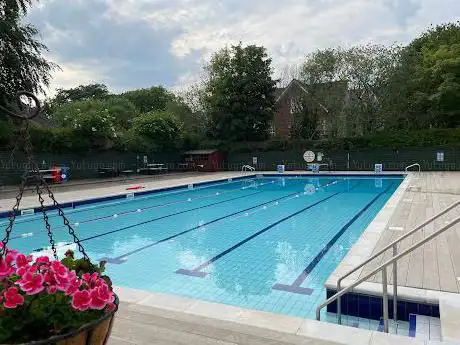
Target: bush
[(162, 129)]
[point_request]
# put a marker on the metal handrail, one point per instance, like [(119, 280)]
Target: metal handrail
[(413, 165), (248, 167), (383, 250), (391, 261)]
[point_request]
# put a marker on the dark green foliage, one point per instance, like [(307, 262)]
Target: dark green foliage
[(153, 99), (22, 66), (161, 129), (425, 85), (240, 93), (80, 93)]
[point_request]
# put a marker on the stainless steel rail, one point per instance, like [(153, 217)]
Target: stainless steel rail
[(247, 167), (413, 165), (392, 261)]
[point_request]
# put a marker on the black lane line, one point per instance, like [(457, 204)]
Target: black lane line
[(120, 259), (153, 220), (295, 286), (133, 211), (163, 205), (197, 271)]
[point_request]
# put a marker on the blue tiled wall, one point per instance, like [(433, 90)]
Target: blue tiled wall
[(370, 307)]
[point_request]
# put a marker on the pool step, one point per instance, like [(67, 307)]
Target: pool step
[(419, 326), (424, 327)]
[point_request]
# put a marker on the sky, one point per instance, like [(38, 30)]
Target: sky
[(130, 44)]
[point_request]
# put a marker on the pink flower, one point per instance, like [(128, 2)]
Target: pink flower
[(81, 300), (74, 283), (5, 268), (31, 284), (12, 298), (42, 260), (111, 306), (100, 296), (59, 268), (91, 280), (22, 260)]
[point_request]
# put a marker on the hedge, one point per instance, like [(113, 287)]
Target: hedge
[(65, 140)]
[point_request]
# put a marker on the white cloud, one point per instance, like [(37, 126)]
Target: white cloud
[(73, 74), (288, 29)]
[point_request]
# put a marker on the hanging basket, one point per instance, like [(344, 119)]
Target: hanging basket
[(95, 333), (17, 271)]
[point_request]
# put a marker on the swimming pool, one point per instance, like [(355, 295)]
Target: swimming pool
[(265, 243)]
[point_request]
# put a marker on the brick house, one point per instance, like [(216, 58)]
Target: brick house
[(289, 98)]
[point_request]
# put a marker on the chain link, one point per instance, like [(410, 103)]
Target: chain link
[(46, 220), (32, 167)]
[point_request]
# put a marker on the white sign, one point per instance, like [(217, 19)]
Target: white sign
[(378, 168), (309, 156), (319, 156), (145, 159), (440, 156), (254, 160)]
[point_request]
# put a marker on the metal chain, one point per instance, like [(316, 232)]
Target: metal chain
[(15, 210), (32, 166), (46, 220)]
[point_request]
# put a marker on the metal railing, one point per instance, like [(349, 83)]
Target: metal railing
[(248, 168), (383, 268), (412, 166)]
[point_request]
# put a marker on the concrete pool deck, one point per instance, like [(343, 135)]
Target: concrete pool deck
[(160, 319)]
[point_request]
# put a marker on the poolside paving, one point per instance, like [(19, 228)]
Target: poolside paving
[(81, 191), (435, 265)]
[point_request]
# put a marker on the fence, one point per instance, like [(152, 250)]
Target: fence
[(86, 166), (82, 166), (430, 159)]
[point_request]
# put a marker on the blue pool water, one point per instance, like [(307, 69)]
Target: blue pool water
[(264, 243)]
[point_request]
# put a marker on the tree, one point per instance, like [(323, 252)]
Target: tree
[(352, 85), (79, 93), (22, 66), (240, 93), (162, 129), (425, 83), (306, 121), (93, 119), (148, 100)]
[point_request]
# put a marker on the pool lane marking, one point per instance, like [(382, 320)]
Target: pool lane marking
[(162, 205), (295, 287), (197, 271), (154, 219), (136, 211), (120, 259), (148, 197), (151, 220)]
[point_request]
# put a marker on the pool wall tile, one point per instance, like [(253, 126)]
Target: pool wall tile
[(371, 307)]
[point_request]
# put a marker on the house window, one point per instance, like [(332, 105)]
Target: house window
[(271, 130)]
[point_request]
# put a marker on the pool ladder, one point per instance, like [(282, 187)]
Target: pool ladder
[(248, 168), (413, 166), (383, 268)]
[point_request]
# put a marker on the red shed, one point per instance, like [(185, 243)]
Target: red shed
[(204, 160)]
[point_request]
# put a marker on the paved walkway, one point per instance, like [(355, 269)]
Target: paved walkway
[(436, 265), (89, 191)]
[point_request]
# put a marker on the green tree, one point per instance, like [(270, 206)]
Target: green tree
[(425, 83), (146, 100), (162, 130), (306, 121), (22, 66), (240, 93), (79, 93), (352, 85)]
